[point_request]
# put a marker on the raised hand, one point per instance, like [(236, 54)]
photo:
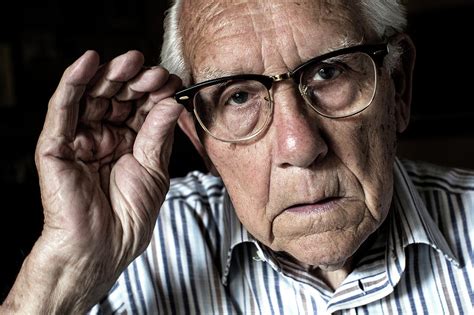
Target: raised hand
[(102, 160)]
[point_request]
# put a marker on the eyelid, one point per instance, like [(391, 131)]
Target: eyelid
[(230, 89), (330, 62)]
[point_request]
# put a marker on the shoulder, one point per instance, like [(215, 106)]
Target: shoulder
[(194, 190), (181, 254), (429, 176), (195, 185), (192, 202), (448, 194)]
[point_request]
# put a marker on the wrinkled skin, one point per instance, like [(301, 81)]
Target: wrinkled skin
[(341, 168), (102, 160)]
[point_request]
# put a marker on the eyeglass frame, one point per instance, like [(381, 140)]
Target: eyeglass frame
[(377, 52)]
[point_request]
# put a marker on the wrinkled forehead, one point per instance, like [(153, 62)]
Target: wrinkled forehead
[(236, 33)]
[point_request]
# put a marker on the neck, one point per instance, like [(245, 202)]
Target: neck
[(333, 277)]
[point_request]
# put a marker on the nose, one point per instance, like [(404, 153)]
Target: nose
[(299, 141)]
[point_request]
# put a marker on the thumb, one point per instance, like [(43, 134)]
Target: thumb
[(154, 141)]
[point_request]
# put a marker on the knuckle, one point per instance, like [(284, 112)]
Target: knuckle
[(162, 71), (38, 155)]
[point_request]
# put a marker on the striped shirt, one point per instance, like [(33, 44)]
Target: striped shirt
[(201, 260)]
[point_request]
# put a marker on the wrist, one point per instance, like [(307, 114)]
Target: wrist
[(51, 284)]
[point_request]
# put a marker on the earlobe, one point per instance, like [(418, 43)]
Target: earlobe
[(402, 76), (187, 124)]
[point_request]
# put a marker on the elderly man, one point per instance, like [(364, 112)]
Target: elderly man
[(295, 107)]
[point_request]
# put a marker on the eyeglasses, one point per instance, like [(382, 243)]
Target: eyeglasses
[(237, 108)]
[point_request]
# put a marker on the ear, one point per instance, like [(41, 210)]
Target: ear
[(402, 76), (187, 124)]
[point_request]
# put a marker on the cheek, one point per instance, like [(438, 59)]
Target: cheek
[(366, 146), (245, 171), (381, 129), (378, 157)]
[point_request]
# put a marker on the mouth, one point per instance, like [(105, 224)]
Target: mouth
[(320, 206)]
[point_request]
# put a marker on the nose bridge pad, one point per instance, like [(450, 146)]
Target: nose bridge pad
[(281, 77), (288, 76), (302, 89)]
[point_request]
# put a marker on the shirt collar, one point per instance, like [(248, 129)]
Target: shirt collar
[(234, 234), (415, 223)]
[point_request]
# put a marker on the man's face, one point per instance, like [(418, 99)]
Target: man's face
[(311, 186)]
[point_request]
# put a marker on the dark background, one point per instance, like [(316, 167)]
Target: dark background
[(38, 40)]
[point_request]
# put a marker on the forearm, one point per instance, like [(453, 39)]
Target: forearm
[(49, 284)]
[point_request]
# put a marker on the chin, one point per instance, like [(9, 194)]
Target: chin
[(328, 253)]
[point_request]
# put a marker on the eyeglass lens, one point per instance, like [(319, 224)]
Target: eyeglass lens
[(233, 110), (340, 86), (240, 109)]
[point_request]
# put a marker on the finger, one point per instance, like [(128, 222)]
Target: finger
[(63, 107), (118, 111), (104, 144), (172, 85), (94, 109), (103, 109), (152, 147), (148, 80), (115, 73)]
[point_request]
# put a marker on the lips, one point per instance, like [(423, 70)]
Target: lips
[(320, 206)]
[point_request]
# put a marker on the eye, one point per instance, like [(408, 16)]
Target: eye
[(240, 94), (327, 72), (238, 98)]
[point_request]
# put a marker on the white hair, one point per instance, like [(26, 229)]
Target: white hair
[(172, 55), (383, 16)]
